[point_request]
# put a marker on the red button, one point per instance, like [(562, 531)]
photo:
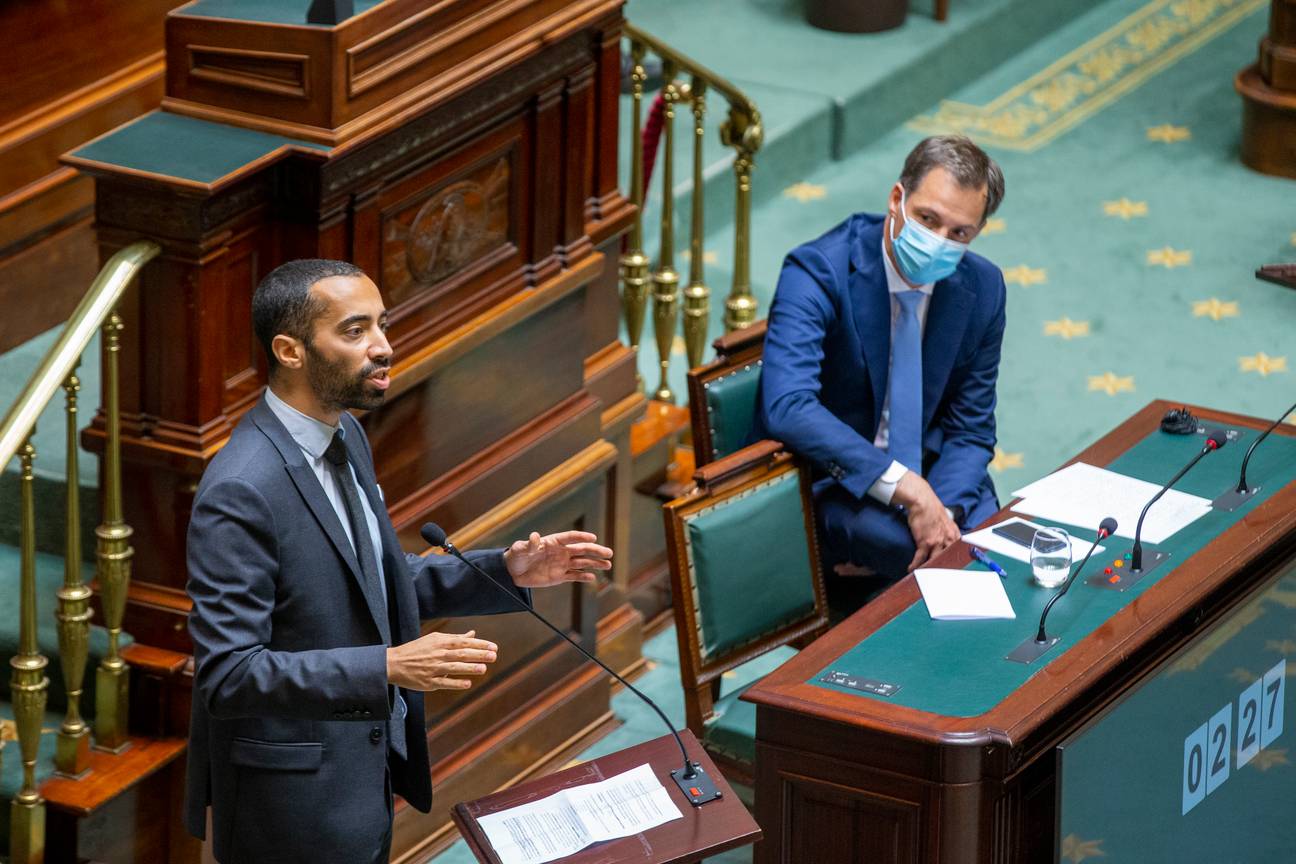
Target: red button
[(695, 792), (1108, 571)]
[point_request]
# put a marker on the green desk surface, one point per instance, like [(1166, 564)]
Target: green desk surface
[(957, 668), (267, 11), (184, 148)]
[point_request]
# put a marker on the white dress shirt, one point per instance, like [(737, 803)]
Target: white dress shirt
[(884, 487)]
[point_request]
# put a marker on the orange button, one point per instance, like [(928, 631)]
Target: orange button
[(695, 792), (1113, 580)]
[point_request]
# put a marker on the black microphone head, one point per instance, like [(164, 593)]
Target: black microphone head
[(433, 533), (1107, 527), (1216, 439)]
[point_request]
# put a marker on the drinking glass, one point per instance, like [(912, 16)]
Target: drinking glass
[(1050, 556)]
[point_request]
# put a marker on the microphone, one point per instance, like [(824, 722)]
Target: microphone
[(1216, 439), (693, 781), (1105, 529), (1236, 497)]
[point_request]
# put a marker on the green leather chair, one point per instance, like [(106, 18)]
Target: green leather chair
[(722, 394), (745, 574)]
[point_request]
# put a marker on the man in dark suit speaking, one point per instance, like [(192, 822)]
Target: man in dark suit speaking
[(881, 359), (309, 666)]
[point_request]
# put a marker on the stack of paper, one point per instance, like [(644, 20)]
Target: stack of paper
[(1084, 495), (566, 822), (963, 595)]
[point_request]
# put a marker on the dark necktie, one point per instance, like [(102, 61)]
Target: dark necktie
[(362, 542)]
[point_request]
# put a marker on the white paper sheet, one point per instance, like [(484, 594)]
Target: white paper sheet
[(568, 821), (1002, 546), (963, 595), (1083, 495)]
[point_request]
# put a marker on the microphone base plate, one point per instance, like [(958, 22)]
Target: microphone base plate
[(1233, 499), (1126, 578), (699, 789), (1030, 650)]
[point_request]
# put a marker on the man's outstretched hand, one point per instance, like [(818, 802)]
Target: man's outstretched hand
[(567, 556), (439, 661)]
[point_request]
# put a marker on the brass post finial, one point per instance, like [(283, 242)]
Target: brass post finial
[(113, 562), (634, 263), (665, 279), (72, 752), (28, 684), (697, 296)]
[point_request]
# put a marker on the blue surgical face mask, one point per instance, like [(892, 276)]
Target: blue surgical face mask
[(923, 255)]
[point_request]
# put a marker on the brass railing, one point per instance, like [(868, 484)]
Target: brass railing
[(741, 131), (57, 369)]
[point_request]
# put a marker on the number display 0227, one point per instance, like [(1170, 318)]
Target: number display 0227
[(1208, 754)]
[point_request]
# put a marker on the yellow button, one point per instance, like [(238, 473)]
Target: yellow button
[(1119, 562)]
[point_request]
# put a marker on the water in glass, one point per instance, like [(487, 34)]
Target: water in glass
[(1050, 556)]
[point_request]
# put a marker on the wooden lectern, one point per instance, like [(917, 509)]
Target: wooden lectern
[(707, 830)]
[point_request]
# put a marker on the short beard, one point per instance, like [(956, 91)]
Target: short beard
[(337, 388)]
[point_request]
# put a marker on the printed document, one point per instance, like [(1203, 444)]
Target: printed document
[(963, 595), (1083, 495), (566, 822)]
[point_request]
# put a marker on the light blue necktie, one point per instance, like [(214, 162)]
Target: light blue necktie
[(905, 422)]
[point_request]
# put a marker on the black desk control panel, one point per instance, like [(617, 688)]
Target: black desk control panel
[(868, 685)]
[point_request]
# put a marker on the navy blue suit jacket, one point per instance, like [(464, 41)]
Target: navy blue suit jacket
[(288, 738), (827, 357)]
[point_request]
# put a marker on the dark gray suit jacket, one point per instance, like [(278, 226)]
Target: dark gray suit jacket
[(288, 742)]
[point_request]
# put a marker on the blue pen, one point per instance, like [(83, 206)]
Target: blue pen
[(985, 559)]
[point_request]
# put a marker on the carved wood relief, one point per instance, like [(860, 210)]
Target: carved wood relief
[(453, 226)]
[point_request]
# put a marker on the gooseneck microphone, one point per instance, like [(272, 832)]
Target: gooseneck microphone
[(1243, 487), (1105, 529), (693, 781), (1216, 439)]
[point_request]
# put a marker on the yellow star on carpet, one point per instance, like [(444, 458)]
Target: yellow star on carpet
[(1004, 460), (1076, 850), (1262, 363), (999, 226), (1214, 309), (804, 192), (1168, 134), (1111, 383), (1285, 646), (1294, 238), (1246, 676), (1270, 758), (1066, 328), (1169, 258), (1125, 208), (1023, 275)]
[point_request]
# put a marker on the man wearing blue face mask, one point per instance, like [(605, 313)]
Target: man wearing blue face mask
[(881, 359)]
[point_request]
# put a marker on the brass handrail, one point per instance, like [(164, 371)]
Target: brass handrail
[(65, 354), (686, 82), (28, 681)]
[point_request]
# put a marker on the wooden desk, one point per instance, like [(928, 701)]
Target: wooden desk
[(847, 777)]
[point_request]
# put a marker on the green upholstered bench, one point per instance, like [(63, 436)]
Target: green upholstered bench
[(745, 574), (722, 394)]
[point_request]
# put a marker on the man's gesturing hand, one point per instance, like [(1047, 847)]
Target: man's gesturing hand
[(564, 557), (438, 660), (929, 523)]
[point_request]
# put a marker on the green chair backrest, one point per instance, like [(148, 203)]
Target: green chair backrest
[(730, 406), (749, 564)]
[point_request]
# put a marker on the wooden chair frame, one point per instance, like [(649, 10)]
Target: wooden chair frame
[(734, 351), (701, 678)]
